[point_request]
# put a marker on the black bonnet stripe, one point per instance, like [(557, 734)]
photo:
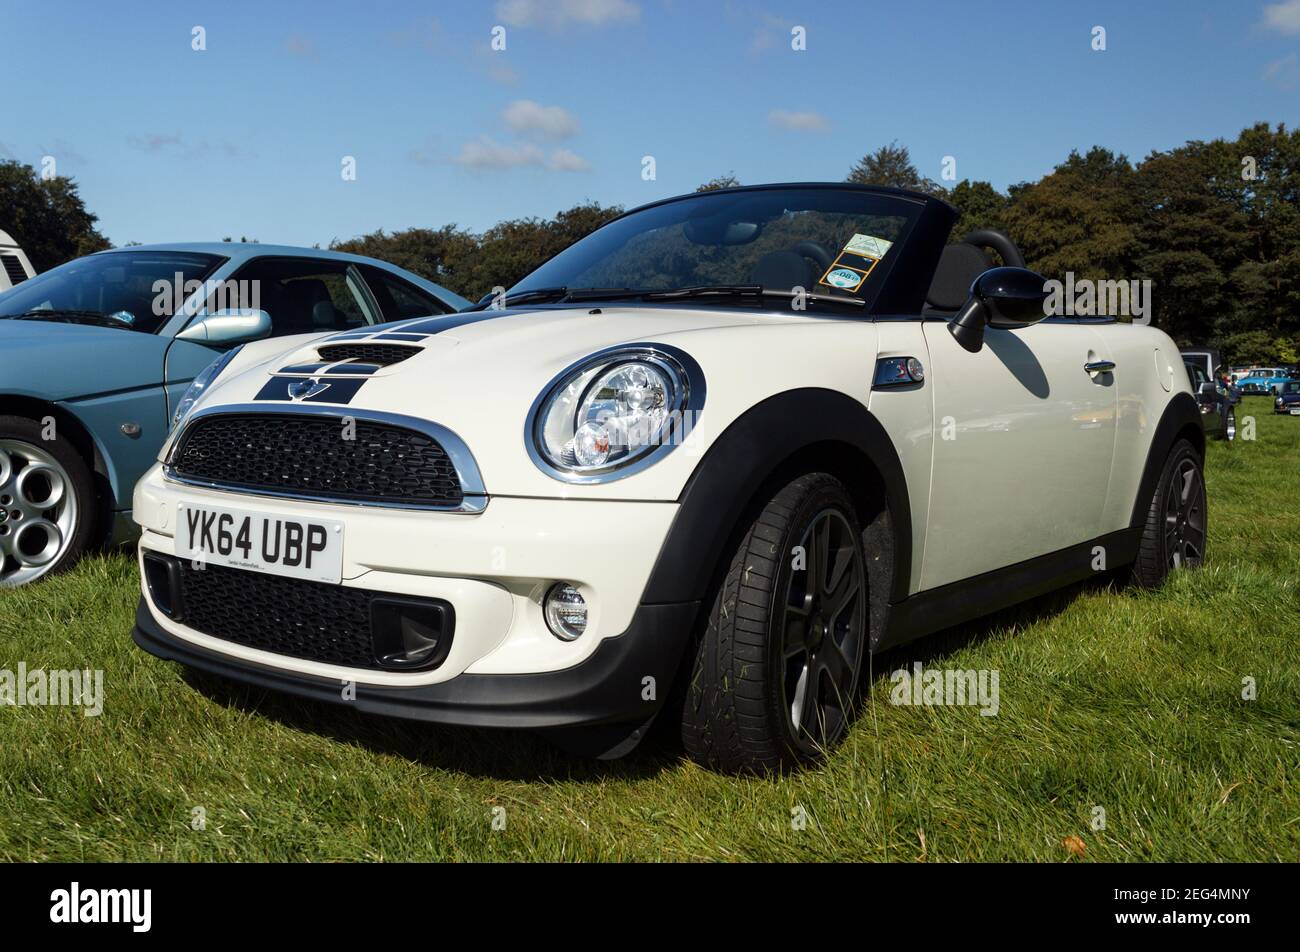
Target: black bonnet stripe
[(335, 391), (436, 325)]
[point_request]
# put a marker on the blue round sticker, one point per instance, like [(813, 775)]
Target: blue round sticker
[(843, 278)]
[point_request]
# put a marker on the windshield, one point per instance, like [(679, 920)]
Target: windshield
[(1291, 387), (835, 245), (134, 290)]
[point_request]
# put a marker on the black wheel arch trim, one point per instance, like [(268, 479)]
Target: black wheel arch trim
[(748, 453), (1180, 414)]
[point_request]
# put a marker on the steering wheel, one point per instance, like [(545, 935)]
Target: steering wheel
[(811, 249)]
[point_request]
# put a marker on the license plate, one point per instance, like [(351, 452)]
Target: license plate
[(278, 545), (1295, 411)]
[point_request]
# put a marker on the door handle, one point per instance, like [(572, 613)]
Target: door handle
[(1099, 366)]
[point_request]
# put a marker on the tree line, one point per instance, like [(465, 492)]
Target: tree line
[(1215, 226)]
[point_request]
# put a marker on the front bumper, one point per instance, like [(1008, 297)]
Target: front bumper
[(624, 682), (504, 667)]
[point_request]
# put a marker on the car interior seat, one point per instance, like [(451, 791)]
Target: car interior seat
[(962, 262), (307, 307), (784, 270)]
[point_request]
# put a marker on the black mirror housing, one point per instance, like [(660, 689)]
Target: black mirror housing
[(1006, 298)]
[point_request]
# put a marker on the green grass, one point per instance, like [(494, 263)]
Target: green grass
[(1126, 700)]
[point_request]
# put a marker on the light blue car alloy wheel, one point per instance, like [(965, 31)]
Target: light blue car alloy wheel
[(38, 512)]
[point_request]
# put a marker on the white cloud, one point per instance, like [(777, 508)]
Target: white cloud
[(555, 13), (1284, 72), (543, 122), (486, 153), (563, 160), (798, 121), (1283, 17)]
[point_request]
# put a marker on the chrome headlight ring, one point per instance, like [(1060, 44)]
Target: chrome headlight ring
[(631, 403)]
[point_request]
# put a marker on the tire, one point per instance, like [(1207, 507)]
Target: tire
[(1174, 534), (775, 675), (47, 503)]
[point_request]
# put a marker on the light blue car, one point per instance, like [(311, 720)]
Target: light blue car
[(1269, 381), (96, 355)]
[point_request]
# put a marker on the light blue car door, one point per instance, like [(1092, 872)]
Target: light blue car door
[(127, 414)]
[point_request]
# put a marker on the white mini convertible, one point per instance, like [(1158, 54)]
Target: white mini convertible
[(695, 467)]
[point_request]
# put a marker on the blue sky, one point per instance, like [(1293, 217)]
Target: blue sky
[(247, 137)]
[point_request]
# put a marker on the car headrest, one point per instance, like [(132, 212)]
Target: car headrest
[(959, 266), (782, 269)]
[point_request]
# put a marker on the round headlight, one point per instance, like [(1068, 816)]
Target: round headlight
[(614, 412)]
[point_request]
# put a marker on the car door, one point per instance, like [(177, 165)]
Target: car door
[(302, 295), (1024, 434)]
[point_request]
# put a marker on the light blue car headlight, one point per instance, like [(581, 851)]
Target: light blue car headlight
[(200, 385)]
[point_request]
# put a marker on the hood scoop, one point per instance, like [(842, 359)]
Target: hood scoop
[(382, 355)]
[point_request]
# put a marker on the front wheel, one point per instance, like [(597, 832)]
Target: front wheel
[(1174, 534), (46, 502), (776, 672)]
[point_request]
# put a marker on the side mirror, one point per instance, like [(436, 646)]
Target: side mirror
[(1006, 298), (1209, 389), (228, 327)]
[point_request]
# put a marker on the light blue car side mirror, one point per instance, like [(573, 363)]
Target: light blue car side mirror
[(228, 327)]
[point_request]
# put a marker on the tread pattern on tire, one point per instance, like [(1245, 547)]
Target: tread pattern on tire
[(1151, 567), (727, 720)]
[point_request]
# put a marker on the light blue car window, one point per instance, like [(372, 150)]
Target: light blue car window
[(135, 290)]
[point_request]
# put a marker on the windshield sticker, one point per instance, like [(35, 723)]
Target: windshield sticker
[(852, 265), (845, 278), (868, 246)]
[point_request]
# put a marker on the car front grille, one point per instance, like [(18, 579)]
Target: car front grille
[(14, 268), (344, 458), (381, 354), (314, 621)]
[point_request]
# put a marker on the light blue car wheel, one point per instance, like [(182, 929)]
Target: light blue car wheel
[(39, 512)]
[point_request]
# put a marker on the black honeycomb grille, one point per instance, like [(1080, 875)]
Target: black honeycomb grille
[(382, 354), (315, 621), (310, 456)]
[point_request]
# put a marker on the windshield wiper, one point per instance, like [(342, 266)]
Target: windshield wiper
[(706, 290), (856, 304), (71, 316), (534, 296)]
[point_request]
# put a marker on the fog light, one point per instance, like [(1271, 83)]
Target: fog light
[(566, 611)]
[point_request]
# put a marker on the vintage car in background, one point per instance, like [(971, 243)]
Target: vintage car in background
[(1288, 398), (1263, 381)]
